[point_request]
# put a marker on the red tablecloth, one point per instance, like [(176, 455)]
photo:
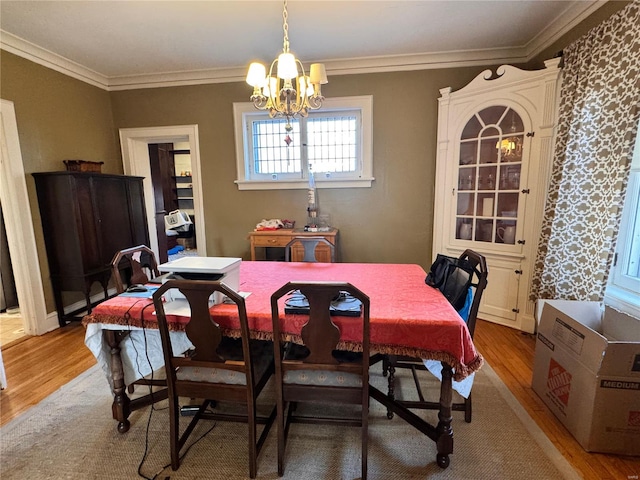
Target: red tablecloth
[(407, 316)]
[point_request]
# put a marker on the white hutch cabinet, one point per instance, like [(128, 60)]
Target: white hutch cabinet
[(495, 144)]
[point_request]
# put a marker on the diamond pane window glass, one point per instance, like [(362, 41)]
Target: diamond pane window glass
[(331, 143), (275, 150)]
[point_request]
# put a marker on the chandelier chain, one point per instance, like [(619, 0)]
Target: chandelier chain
[(285, 27)]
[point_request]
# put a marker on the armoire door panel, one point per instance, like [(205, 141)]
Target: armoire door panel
[(111, 200)]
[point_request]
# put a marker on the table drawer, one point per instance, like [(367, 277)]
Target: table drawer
[(270, 240), (322, 253)]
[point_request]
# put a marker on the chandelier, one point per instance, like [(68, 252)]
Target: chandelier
[(287, 91)]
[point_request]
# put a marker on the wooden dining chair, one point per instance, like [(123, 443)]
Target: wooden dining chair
[(141, 265), (135, 260), (478, 266), (309, 245), (314, 371), (217, 369)]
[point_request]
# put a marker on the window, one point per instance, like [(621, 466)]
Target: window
[(335, 142), (623, 291)]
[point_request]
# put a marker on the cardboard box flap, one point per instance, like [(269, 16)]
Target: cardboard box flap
[(587, 313), (621, 360), (622, 357), (559, 327), (617, 325)]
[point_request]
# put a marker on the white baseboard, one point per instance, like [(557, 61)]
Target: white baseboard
[(51, 322)]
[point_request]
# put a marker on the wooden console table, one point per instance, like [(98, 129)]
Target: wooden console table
[(279, 238)]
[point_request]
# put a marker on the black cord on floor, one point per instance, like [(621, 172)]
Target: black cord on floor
[(153, 406), (146, 446)]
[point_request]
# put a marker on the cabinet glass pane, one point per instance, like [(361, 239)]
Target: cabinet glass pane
[(465, 204), (509, 177), (468, 152), (484, 231), (487, 178), (492, 115), (507, 205), (510, 148), (467, 179), (471, 129), (464, 229), (486, 204), (511, 123), (488, 151), (506, 232)]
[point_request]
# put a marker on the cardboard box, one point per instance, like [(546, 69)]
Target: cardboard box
[(587, 371), (225, 269)]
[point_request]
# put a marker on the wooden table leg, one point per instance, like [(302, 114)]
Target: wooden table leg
[(120, 407), (444, 431), (391, 381)]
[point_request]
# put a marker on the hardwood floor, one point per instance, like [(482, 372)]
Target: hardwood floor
[(38, 366)]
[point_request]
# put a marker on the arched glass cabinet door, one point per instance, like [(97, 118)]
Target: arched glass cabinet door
[(489, 167)]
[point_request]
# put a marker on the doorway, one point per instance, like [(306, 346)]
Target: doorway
[(172, 180), (135, 143), (19, 228), (11, 327)]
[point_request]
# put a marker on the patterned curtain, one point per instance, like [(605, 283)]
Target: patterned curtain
[(597, 126)]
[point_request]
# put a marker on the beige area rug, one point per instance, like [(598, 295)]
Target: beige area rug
[(71, 435)]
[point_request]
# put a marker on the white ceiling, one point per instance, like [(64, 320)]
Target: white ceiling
[(132, 44)]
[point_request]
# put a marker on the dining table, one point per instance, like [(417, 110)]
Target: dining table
[(407, 317)]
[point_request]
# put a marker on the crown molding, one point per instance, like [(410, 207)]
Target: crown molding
[(575, 14), (569, 19), (46, 58)]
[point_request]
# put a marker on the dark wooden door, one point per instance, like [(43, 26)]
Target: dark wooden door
[(163, 173)]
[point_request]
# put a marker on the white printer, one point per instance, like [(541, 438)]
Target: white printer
[(225, 269)]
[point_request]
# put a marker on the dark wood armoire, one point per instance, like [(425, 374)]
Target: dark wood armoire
[(86, 219)]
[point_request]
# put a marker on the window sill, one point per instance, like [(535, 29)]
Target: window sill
[(298, 184), (623, 300)]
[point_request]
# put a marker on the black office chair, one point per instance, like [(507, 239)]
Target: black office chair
[(477, 267), (309, 244)]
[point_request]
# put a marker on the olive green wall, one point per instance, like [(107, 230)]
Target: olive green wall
[(58, 118), (389, 222)]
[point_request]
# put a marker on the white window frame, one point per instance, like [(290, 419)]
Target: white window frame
[(362, 177), (623, 291)]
